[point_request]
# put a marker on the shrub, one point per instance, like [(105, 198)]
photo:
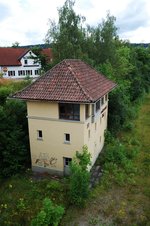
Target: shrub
[(54, 186), (4, 92), (79, 178), (50, 214)]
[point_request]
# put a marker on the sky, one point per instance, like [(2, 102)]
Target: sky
[(26, 21)]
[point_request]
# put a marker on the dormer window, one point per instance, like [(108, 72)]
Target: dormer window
[(69, 111)]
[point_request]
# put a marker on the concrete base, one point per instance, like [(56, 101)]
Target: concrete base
[(47, 170)]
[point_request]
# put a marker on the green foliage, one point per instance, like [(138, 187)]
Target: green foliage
[(14, 144), (50, 214), (67, 35), (84, 158), (54, 186), (117, 161), (4, 92), (41, 58), (79, 178), (101, 47), (14, 153)]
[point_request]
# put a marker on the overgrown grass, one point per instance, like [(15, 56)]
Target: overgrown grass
[(22, 197), (122, 196)]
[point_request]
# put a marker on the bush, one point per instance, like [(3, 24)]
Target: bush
[(4, 92), (79, 178), (50, 214), (54, 186)]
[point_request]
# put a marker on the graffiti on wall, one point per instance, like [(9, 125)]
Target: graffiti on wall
[(45, 160)]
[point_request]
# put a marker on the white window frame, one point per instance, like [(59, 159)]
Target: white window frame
[(67, 141), (39, 137)]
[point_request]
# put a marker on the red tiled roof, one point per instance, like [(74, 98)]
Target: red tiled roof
[(68, 81), (10, 56)]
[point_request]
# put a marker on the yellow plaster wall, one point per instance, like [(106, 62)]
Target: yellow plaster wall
[(48, 153), (48, 110), (43, 109), (52, 148), (96, 140)]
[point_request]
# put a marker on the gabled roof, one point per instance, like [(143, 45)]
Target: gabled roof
[(69, 81), (10, 56)]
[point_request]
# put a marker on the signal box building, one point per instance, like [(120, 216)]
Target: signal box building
[(67, 108)]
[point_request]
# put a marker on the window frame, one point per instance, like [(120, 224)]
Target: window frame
[(39, 134), (67, 141), (11, 73), (69, 114), (67, 161)]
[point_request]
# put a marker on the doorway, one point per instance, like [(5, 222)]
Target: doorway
[(67, 162)]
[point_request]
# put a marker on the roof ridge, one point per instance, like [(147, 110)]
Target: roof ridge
[(79, 83)]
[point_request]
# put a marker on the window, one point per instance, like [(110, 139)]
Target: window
[(69, 111), (21, 72), (67, 138), (11, 73), (29, 72), (87, 111), (36, 72), (25, 61), (102, 101), (106, 97), (39, 134), (93, 109), (97, 105), (67, 161)]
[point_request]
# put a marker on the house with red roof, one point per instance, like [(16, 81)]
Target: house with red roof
[(20, 62), (67, 108)]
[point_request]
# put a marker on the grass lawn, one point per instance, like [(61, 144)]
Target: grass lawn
[(115, 204)]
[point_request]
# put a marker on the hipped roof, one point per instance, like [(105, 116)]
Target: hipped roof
[(69, 81)]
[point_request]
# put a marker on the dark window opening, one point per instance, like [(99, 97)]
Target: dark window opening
[(98, 105), (87, 111), (67, 137), (69, 111), (67, 161), (102, 101), (40, 135)]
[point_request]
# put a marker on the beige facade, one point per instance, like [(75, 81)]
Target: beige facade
[(54, 141)]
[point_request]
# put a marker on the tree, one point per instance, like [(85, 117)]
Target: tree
[(14, 143), (67, 36), (102, 40), (41, 58), (79, 178), (15, 44)]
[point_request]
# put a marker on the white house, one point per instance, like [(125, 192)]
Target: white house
[(19, 63)]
